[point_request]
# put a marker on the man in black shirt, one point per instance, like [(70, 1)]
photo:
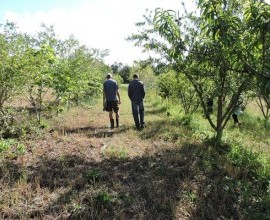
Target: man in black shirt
[(136, 94)]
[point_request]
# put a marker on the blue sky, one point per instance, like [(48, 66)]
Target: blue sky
[(20, 6), (100, 24)]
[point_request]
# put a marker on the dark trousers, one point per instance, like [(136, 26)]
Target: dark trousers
[(235, 118), (138, 113)]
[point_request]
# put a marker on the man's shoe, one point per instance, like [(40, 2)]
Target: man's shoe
[(138, 128)]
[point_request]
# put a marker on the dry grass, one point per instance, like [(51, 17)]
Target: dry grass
[(80, 169)]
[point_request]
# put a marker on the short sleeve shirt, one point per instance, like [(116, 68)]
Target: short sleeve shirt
[(110, 88)]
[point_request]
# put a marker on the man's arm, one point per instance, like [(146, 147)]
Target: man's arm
[(118, 95), (129, 92), (143, 90), (104, 96)]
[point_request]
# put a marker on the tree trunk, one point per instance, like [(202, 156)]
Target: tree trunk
[(219, 128), (219, 133)]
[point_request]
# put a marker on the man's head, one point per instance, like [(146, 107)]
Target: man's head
[(109, 76), (135, 76)]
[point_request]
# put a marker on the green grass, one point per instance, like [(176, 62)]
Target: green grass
[(115, 152), (80, 169)]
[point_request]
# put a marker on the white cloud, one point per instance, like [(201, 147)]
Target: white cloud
[(100, 24)]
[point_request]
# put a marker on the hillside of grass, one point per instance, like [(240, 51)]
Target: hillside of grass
[(78, 168)]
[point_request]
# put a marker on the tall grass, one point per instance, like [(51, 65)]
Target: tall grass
[(244, 156)]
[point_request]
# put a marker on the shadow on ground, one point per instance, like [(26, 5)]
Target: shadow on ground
[(167, 130), (191, 182), (91, 131)]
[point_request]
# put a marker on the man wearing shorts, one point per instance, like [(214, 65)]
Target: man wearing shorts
[(111, 99)]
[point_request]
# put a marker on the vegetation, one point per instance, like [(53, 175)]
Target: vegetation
[(48, 71), (77, 168), (215, 50), (122, 70), (60, 159)]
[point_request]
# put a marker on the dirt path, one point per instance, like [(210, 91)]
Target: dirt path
[(86, 131)]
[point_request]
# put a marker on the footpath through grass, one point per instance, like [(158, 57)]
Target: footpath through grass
[(80, 169)]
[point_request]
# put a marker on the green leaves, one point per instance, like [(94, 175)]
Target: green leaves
[(257, 16), (12, 78), (213, 50), (164, 22), (47, 69), (77, 73)]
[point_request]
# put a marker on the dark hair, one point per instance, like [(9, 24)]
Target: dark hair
[(109, 76), (135, 76)]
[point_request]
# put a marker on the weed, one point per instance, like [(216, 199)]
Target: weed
[(11, 148), (92, 175), (77, 207), (43, 124), (104, 198), (115, 152), (4, 146), (191, 196)]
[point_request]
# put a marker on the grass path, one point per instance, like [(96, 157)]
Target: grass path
[(84, 126), (80, 169), (58, 175)]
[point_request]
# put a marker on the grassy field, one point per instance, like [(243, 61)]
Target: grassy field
[(78, 168)]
